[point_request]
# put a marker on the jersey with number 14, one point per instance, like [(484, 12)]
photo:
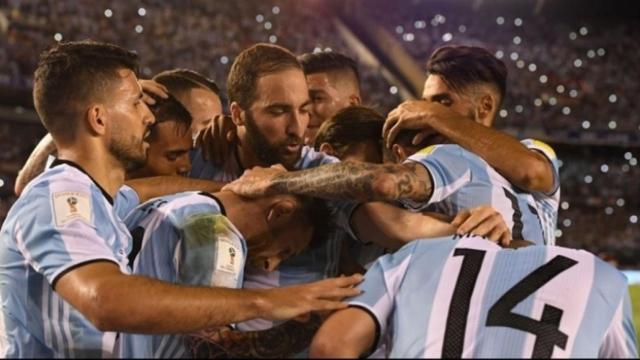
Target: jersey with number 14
[(471, 298)]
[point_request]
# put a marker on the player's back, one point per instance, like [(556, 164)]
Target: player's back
[(470, 298)]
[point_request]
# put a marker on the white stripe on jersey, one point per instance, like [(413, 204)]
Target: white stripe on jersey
[(572, 304), (23, 249), (46, 316), (55, 321), (67, 330)]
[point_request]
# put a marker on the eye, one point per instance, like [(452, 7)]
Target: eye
[(172, 157), (445, 102)]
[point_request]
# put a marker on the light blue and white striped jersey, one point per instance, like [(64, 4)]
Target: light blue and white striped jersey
[(470, 298), (125, 201), (62, 220), (547, 202), (186, 239), (462, 180), (311, 265)]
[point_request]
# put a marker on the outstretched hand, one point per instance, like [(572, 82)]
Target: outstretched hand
[(325, 295), (152, 87), (216, 139)]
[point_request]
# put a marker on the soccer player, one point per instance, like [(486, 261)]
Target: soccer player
[(169, 141), (460, 100), (352, 134), (470, 298), (66, 284), (334, 84), (442, 178), (197, 93), (203, 239)]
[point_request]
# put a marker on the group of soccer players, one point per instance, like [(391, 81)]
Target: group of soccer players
[(149, 224)]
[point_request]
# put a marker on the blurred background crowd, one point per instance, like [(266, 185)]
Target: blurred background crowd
[(573, 77)]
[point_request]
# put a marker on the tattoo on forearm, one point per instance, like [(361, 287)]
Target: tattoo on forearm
[(357, 182), (281, 341)]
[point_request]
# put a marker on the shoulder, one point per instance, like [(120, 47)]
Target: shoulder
[(311, 158), (540, 146)]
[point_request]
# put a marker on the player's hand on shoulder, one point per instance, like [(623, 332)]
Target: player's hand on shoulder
[(483, 221), (410, 115), (216, 140), (154, 88), (325, 295), (255, 182)]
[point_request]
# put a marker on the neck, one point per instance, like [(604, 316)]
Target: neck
[(98, 163), (248, 216)]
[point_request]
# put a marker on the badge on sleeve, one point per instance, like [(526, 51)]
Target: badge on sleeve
[(228, 263), (71, 205)]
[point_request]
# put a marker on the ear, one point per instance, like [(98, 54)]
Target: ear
[(237, 115), (327, 149), (485, 109), (354, 100), (280, 211), (399, 155), (96, 119)]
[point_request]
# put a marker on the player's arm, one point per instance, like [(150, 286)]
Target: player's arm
[(151, 187), (36, 163), (392, 227), (348, 333), (282, 341), (113, 301), (525, 168), (343, 181)]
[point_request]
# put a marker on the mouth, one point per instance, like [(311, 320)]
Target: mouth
[(146, 135)]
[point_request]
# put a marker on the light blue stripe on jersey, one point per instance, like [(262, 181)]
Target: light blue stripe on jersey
[(126, 200), (463, 180), (608, 285), (547, 203), (181, 235), (506, 272)]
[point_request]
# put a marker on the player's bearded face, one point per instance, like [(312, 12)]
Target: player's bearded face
[(272, 153), (130, 149)]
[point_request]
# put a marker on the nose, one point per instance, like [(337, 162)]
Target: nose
[(298, 123), (148, 118), (184, 166)]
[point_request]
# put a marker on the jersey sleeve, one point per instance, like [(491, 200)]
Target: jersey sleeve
[(309, 158), (125, 201), (551, 156), (620, 339), (380, 285), (448, 168), (63, 235)]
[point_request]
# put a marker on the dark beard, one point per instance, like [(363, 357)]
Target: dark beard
[(131, 157), (267, 153)]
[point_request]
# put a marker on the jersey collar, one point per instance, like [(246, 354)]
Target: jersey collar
[(57, 162)]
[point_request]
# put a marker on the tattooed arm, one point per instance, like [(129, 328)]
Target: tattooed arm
[(344, 181), (282, 341)]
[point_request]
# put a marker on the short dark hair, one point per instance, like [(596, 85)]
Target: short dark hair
[(179, 81), (460, 66), (253, 63), (70, 75), (351, 125), (328, 61), (169, 109)]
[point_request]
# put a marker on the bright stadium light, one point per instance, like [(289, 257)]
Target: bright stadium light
[(553, 101), (604, 168), (613, 124), (273, 39), (520, 64), (259, 18), (1, 183), (620, 202), (519, 109), (613, 98), (591, 54), (586, 124), (399, 29), (537, 102), (566, 222), (275, 10), (224, 60), (268, 25), (588, 179), (139, 29), (462, 28), (633, 219), (393, 90), (573, 35), (601, 52), (584, 31), (573, 93), (499, 54), (517, 22), (608, 210), (514, 56), (560, 89), (566, 110), (108, 13), (408, 37), (57, 37), (577, 63), (628, 155), (564, 205), (447, 37), (558, 233), (142, 11), (499, 20), (533, 67), (543, 79), (504, 113), (517, 40)]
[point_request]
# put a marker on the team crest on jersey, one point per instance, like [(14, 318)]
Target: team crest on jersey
[(70, 205)]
